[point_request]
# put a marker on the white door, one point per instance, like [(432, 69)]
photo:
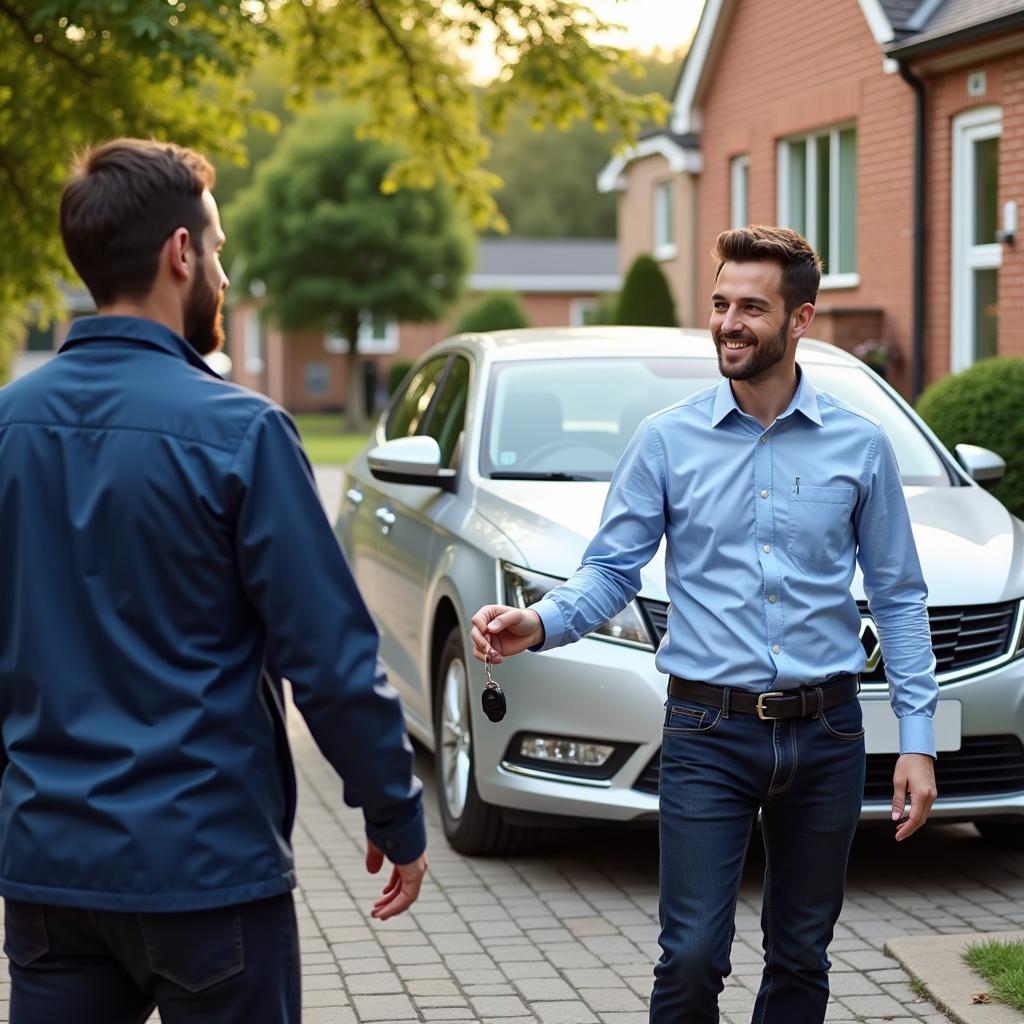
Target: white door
[(977, 254)]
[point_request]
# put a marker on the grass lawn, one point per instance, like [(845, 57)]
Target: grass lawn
[(325, 441), (1001, 964)]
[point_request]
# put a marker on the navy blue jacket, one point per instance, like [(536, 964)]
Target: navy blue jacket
[(164, 561)]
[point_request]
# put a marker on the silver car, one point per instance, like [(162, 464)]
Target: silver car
[(483, 483)]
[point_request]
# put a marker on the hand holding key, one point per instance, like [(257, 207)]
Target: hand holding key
[(500, 631), (493, 697)]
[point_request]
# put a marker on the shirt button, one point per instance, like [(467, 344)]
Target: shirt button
[(776, 648), (767, 549), (764, 494), (771, 599), (764, 439)]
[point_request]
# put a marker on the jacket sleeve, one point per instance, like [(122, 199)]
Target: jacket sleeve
[(320, 635)]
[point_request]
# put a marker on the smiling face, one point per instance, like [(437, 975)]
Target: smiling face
[(752, 330)]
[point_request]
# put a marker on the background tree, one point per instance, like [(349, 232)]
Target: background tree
[(497, 311), (331, 247), (645, 298), (73, 72)]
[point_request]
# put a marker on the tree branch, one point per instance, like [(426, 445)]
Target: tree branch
[(26, 30)]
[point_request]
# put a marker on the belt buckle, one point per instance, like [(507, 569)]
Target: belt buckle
[(760, 708)]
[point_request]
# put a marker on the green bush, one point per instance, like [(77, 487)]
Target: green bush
[(496, 311), (605, 311), (983, 406), (646, 299), (396, 373)]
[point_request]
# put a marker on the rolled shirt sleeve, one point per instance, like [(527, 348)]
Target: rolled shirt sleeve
[(632, 525), (320, 635), (897, 597)]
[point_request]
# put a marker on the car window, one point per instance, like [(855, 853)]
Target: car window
[(412, 404), (574, 417), (448, 412)]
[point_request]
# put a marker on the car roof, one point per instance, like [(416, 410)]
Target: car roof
[(646, 342)]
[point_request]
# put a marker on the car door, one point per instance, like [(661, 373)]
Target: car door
[(405, 516)]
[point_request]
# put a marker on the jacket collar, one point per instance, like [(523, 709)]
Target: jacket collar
[(133, 328), (805, 400)]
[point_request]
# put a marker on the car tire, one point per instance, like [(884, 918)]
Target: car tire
[(1006, 834), (470, 825)]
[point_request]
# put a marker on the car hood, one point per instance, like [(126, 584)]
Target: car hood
[(971, 548)]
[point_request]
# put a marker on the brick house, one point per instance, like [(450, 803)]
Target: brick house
[(891, 132), (559, 281)]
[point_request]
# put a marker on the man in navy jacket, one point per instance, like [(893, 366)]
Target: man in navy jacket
[(164, 562)]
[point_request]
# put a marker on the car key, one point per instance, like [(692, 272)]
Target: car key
[(493, 699)]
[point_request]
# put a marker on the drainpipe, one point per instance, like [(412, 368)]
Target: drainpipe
[(917, 343)]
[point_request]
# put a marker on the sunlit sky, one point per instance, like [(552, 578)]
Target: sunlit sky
[(648, 25)]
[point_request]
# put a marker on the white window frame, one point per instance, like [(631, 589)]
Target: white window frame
[(578, 308), (368, 344), (322, 368), (739, 191), (972, 126), (849, 279), (252, 342), (664, 226)]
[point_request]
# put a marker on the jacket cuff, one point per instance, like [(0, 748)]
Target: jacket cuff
[(917, 735), (402, 841)]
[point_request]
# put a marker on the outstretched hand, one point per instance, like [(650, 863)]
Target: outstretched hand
[(500, 631)]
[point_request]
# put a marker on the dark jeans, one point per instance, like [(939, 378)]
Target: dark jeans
[(232, 965), (806, 775)]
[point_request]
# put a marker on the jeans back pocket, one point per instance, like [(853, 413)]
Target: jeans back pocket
[(194, 949), (25, 936)]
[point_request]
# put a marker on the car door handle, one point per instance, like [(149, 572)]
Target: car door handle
[(355, 498), (386, 518)]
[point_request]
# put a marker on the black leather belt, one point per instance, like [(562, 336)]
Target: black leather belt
[(799, 703)]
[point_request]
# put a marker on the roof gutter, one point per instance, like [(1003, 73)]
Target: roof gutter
[(918, 306), (923, 45)]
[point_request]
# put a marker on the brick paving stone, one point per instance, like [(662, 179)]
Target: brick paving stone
[(532, 989), (499, 1006), (573, 1012), (385, 1008)]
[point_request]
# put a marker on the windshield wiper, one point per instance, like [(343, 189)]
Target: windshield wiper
[(513, 475)]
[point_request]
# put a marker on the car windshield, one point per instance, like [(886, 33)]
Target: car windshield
[(570, 419)]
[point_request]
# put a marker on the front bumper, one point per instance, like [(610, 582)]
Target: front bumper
[(601, 691)]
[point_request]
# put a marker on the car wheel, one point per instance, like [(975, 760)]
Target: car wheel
[(470, 825), (1007, 834)]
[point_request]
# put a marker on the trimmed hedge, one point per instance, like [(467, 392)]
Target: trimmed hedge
[(984, 405), (497, 311), (646, 299)]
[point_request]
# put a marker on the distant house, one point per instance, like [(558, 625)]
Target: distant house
[(890, 132), (558, 280)]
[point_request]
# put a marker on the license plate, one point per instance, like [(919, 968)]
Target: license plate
[(882, 730)]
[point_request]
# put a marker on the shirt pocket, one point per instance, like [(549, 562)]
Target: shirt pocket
[(819, 523)]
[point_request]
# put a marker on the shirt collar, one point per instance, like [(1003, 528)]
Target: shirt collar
[(805, 400), (133, 328)]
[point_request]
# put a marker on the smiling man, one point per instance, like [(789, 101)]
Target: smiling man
[(768, 493)]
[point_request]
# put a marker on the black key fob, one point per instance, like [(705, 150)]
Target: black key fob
[(493, 700)]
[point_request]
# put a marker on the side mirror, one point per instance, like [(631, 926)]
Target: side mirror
[(411, 460), (981, 464)]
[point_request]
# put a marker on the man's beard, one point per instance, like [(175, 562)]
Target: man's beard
[(204, 322), (763, 356)]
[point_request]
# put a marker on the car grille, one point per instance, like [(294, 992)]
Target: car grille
[(983, 766), (961, 637)]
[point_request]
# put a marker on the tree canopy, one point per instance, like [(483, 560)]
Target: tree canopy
[(73, 72), (330, 248)]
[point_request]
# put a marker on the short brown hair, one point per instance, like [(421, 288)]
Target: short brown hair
[(801, 268), (122, 201)]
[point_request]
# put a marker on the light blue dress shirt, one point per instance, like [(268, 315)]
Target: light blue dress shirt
[(763, 527)]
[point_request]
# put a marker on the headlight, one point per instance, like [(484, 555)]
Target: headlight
[(523, 587)]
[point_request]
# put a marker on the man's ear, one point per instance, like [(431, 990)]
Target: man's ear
[(179, 254), (801, 318)]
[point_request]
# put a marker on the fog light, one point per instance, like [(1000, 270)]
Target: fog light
[(565, 751)]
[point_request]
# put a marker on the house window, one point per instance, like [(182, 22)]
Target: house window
[(378, 335), (317, 379), (739, 182), (664, 221), (818, 197), (252, 337)]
